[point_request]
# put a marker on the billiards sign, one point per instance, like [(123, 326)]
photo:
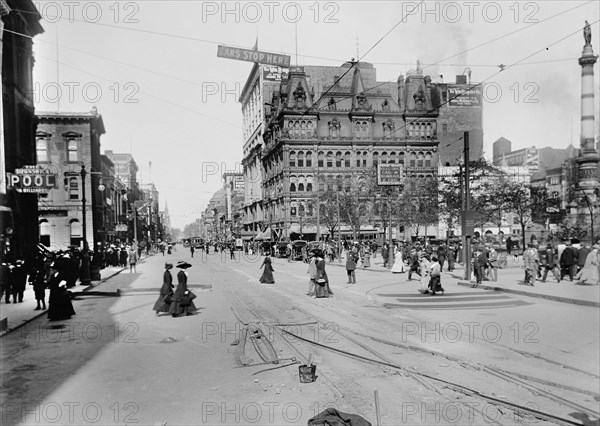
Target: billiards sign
[(31, 179)]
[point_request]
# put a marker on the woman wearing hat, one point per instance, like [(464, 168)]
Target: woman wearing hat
[(590, 274), (182, 302), (424, 270), (322, 280), (59, 303), (267, 275), (163, 304), (398, 267)]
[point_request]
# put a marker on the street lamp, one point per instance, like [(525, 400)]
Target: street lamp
[(85, 258)]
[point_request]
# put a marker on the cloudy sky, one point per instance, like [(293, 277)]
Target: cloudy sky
[(151, 69)]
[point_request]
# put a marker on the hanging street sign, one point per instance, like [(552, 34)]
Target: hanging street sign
[(390, 174), (254, 56), (31, 179)]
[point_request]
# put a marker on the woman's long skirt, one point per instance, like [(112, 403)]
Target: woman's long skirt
[(59, 305), (267, 276)]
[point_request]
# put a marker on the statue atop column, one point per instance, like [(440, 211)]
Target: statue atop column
[(587, 34)]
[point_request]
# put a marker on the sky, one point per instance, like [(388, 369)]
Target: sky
[(151, 70)]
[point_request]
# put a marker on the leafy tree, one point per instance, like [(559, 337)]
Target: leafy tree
[(356, 202), (525, 202), (328, 202), (487, 187), (419, 203)]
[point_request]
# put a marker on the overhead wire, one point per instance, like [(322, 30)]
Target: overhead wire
[(366, 90), (485, 43), (521, 62), (354, 63), (502, 69), (144, 93)]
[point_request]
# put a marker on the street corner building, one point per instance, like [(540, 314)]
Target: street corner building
[(64, 142), (327, 127)]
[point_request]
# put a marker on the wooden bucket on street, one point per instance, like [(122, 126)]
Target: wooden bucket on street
[(307, 373)]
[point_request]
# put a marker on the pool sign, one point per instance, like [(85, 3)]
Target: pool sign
[(31, 179), (248, 55)]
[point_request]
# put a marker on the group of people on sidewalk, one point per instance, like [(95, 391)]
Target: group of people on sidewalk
[(581, 265), (54, 271)]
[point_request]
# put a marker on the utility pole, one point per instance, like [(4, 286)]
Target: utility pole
[(390, 245), (467, 220), (85, 258)]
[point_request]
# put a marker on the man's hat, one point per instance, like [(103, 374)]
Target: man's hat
[(168, 265), (183, 265)]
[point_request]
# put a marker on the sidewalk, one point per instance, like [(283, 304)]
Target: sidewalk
[(511, 280), (376, 264), (15, 315)]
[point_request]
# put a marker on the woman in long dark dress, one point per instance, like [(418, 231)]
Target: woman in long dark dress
[(322, 278), (59, 303), (163, 304), (182, 302), (267, 275)]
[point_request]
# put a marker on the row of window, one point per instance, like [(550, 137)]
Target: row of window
[(75, 232), (301, 187), (43, 150), (421, 130), (339, 159)]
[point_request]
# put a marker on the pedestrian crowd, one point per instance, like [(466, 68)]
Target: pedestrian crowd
[(58, 271), (577, 261)]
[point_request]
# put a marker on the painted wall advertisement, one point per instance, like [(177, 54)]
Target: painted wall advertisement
[(460, 95)]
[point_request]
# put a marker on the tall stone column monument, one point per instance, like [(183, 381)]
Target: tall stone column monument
[(587, 161)]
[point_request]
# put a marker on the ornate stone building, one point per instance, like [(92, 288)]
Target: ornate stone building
[(328, 127)]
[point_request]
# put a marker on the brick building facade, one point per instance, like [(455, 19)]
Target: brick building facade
[(64, 142)]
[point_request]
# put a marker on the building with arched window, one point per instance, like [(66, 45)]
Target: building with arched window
[(314, 143), (65, 141)]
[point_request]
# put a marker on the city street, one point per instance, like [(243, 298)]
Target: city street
[(470, 356), (324, 152)]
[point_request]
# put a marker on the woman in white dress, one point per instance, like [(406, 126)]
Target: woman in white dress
[(590, 273), (425, 269), (398, 267)]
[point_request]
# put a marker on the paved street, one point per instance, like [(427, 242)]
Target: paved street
[(116, 362)]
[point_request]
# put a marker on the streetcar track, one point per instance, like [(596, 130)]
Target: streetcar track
[(457, 387), (518, 410), (475, 365), (421, 376)]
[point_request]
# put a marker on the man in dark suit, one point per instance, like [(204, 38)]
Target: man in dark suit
[(568, 261)]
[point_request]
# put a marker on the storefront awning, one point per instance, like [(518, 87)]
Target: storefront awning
[(264, 236), (306, 229)]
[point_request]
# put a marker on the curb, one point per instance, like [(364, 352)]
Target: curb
[(343, 265), (537, 295), (42, 313)]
